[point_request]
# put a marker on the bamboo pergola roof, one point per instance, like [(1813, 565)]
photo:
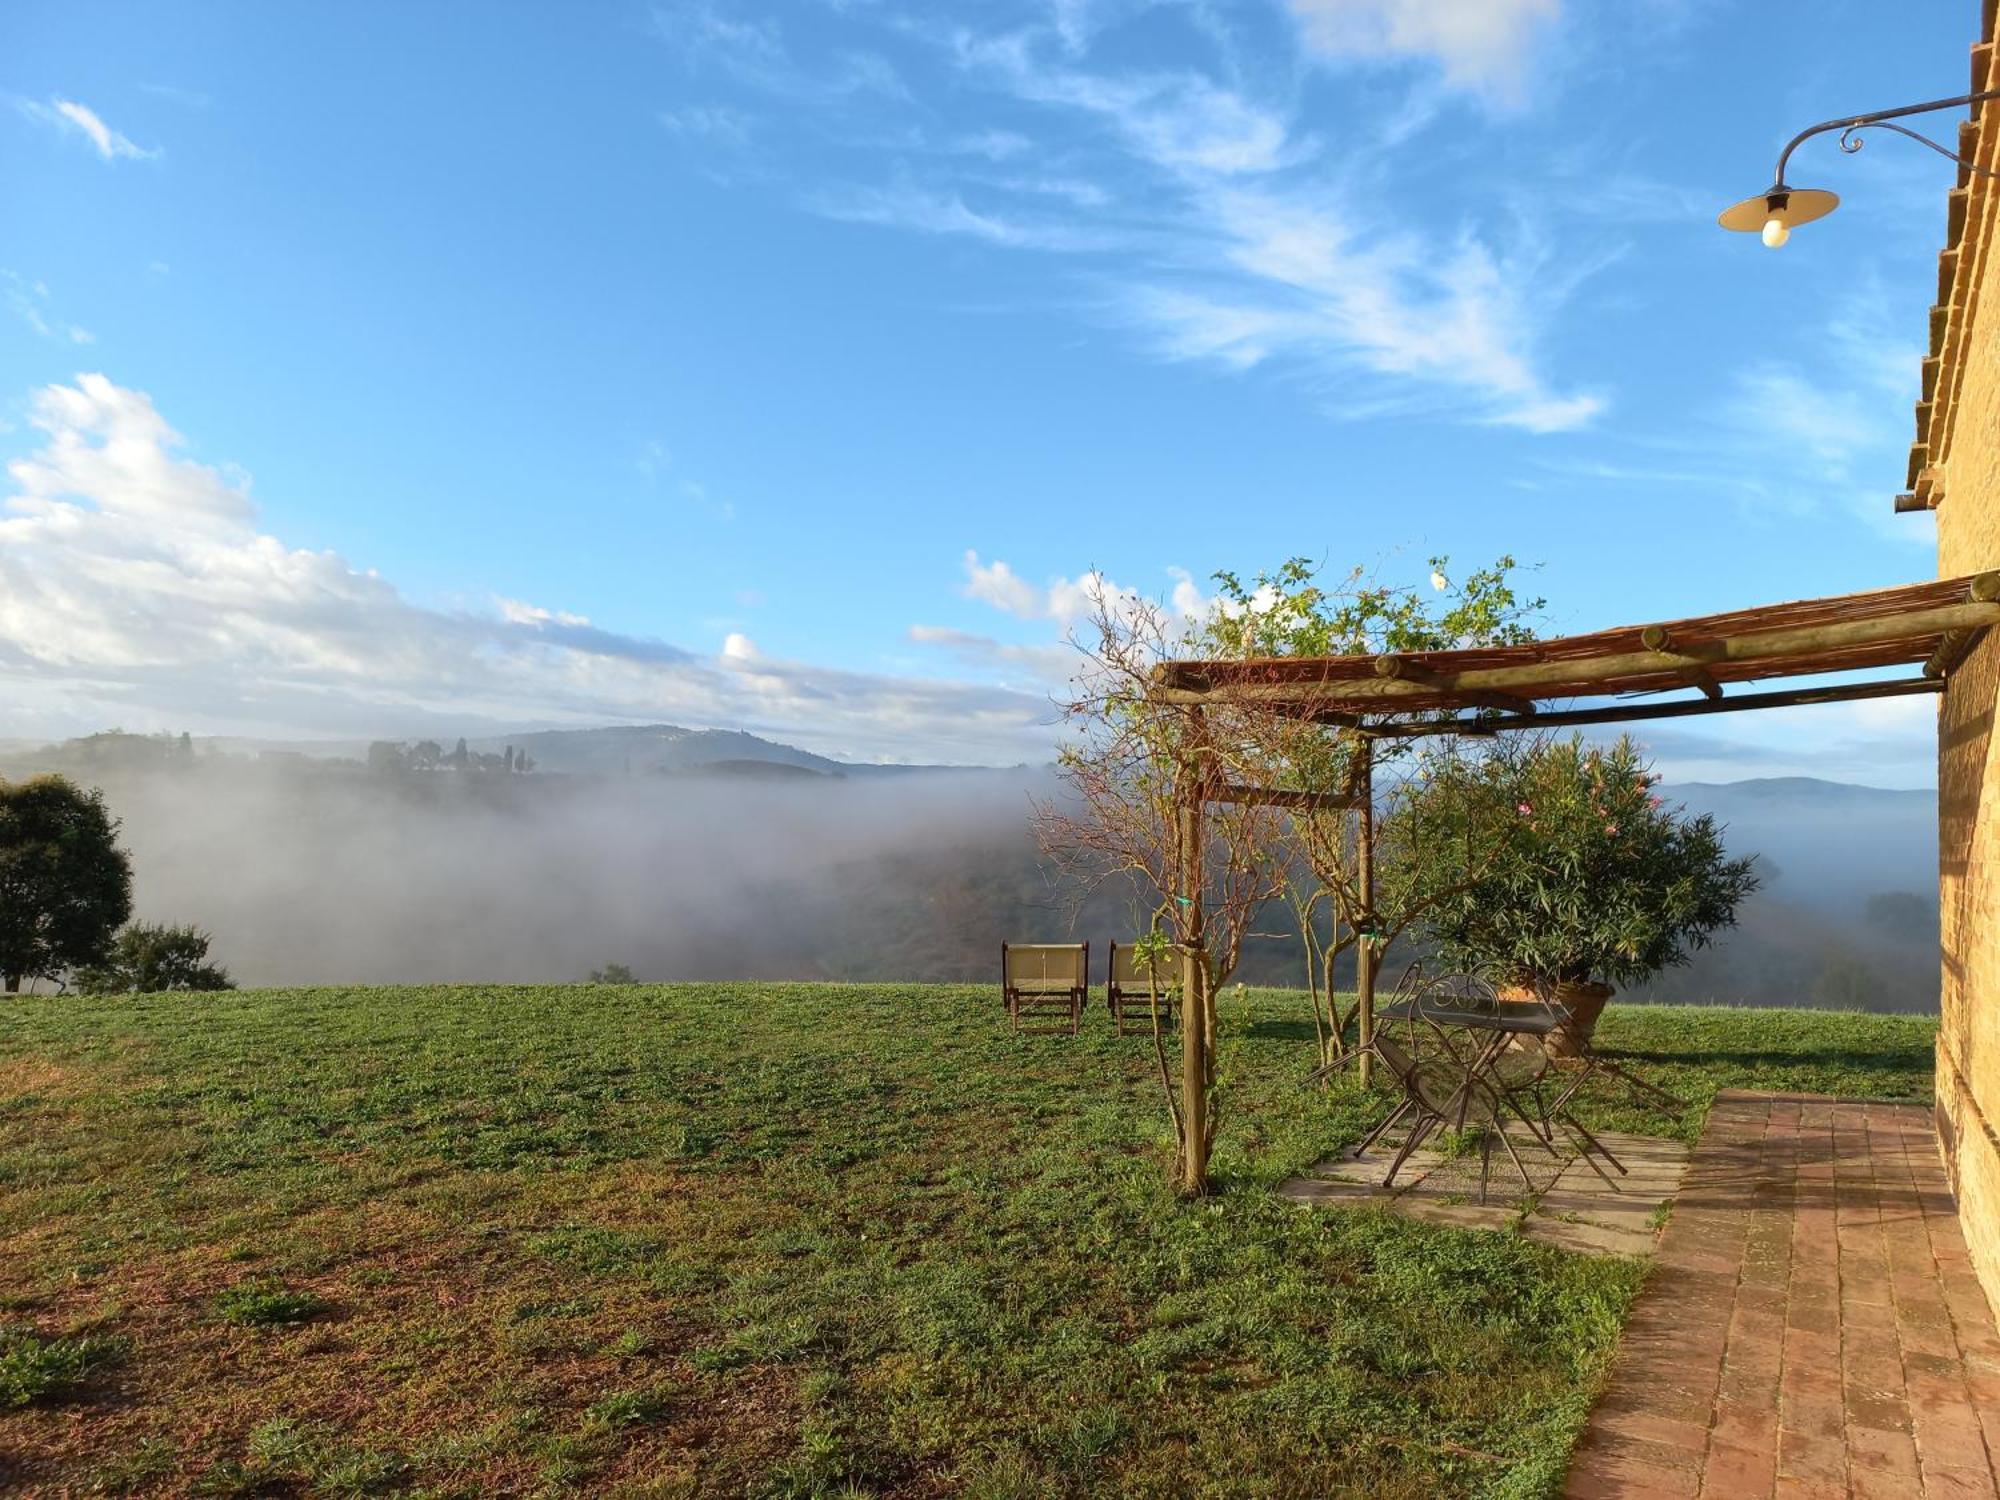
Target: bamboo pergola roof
[(1925, 625)]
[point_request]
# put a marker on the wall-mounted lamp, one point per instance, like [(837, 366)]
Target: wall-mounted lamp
[(1774, 212)]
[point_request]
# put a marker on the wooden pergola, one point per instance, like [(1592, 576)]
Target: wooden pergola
[(1671, 669)]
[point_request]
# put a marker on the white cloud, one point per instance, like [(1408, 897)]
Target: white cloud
[(997, 584), (1312, 284), (1481, 46), (519, 613), (1068, 601), (135, 588), (79, 119)]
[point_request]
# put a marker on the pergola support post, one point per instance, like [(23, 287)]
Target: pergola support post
[(1195, 1000), (1364, 948)]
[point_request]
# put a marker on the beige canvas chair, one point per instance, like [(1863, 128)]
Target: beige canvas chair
[(1128, 991), (1045, 978)]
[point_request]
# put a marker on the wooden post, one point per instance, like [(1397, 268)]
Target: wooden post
[(1364, 948), (1194, 990)]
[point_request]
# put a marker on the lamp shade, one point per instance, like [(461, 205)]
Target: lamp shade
[(1790, 206)]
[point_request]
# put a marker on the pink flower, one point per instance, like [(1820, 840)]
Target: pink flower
[(1610, 827), (1653, 801), (1524, 809)]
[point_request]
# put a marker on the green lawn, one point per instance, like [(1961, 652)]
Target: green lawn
[(764, 1240)]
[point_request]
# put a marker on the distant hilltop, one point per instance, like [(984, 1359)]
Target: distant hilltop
[(615, 750)]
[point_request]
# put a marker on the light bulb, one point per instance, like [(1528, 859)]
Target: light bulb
[(1776, 232)]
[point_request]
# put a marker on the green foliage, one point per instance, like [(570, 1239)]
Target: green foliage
[(65, 885), (152, 958), (1558, 862), (258, 1304), (613, 974), (36, 1370), (1290, 613)]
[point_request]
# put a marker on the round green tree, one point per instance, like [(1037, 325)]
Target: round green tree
[(1558, 864), (65, 885)]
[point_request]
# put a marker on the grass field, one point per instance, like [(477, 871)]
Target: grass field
[(763, 1240)]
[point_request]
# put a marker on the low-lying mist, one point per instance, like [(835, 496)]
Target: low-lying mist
[(310, 875), (327, 872)]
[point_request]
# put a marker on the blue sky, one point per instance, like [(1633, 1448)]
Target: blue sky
[(385, 369)]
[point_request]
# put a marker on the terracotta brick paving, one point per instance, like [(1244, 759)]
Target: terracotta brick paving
[(1811, 1326)]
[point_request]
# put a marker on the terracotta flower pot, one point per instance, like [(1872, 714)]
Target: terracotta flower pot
[(1584, 1002)]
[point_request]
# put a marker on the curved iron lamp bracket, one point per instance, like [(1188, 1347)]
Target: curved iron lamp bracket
[(1882, 119)]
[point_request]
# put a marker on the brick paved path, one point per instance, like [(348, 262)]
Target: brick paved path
[(1811, 1326)]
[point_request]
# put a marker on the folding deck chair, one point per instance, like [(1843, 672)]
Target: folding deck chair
[(1128, 988), (1045, 978)]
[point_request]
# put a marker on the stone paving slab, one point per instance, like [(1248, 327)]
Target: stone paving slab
[(1810, 1327), (1567, 1205)]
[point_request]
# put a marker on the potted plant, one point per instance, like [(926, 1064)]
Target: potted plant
[(1558, 868)]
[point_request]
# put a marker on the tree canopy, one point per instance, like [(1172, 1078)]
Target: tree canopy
[(65, 885), (149, 958)]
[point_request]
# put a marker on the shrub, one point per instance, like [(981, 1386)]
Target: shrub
[(1559, 863), (150, 957)]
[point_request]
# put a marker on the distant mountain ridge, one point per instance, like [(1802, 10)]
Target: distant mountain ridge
[(1803, 789), (642, 749), (636, 749)]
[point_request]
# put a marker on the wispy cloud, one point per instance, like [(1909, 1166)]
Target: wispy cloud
[(906, 206), (712, 124), (1217, 225), (31, 302), (1484, 47), (1819, 437), (72, 118), (1180, 121), (1834, 435), (1310, 283), (1046, 665)]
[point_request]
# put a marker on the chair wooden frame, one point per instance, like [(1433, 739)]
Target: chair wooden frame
[(1045, 979), (1130, 991)]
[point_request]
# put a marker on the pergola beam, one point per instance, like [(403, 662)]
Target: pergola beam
[(1660, 641), (1958, 644), (1395, 668), (1630, 713), (1574, 677)]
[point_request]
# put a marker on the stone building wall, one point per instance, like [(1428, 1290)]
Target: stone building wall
[(1956, 467)]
